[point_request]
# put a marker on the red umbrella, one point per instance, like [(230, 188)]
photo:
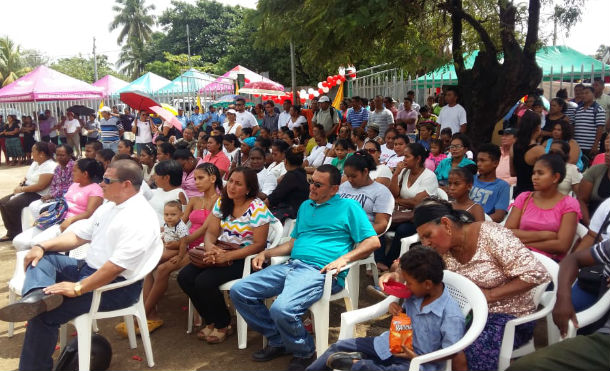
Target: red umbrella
[(138, 100), (167, 116)]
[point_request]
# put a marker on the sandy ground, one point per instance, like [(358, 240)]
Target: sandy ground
[(173, 349)]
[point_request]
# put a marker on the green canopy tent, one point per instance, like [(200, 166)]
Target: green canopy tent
[(557, 62), (189, 82)]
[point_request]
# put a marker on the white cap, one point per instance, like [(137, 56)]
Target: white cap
[(106, 109), (231, 110), (323, 99)]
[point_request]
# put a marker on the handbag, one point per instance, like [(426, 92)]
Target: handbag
[(591, 279), (52, 214), (198, 253)]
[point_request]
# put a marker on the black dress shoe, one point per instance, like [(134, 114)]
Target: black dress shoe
[(343, 360), (300, 363), (268, 353), (30, 306)]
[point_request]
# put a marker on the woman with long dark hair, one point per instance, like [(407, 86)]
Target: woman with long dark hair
[(237, 228), (562, 130), (525, 152)]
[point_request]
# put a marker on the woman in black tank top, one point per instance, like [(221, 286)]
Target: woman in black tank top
[(529, 131)]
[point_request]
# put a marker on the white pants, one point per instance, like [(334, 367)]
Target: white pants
[(31, 236), (36, 206)]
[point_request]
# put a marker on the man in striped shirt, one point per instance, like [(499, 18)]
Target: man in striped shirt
[(358, 117), (589, 120), (112, 129)]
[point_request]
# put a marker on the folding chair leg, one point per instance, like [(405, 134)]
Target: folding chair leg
[(144, 334), (320, 313), (83, 330), (242, 332), (191, 316), (373, 267), (12, 298), (131, 331)]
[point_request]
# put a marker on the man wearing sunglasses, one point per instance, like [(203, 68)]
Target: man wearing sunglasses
[(58, 288), (326, 230)]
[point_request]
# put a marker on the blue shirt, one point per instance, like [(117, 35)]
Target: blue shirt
[(183, 120), (436, 326), (491, 196), (444, 167), (355, 118), (327, 231), (196, 118)]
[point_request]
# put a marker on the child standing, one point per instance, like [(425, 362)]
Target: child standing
[(487, 190), (437, 322), (459, 186), (436, 154)]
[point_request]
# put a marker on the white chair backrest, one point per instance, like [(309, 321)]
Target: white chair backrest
[(288, 227), (386, 228), (488, 218), (80, 252), (553, 268), (150, 263), (458, 287), (581, 231), (275, 233), (442, 194)]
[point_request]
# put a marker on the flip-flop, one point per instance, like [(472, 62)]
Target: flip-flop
[(153, 325), (217, 336), (204, 333), (5, 239)]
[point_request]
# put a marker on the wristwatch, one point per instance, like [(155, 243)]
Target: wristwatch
[(77, 288)]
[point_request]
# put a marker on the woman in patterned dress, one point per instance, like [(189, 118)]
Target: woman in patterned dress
[(240, 222), (13, 143), (495, 260)]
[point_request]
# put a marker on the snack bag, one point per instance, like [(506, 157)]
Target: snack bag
[(401, 333)]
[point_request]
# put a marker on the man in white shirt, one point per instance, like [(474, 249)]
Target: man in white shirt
[(122, 233), (285, 114), (318, 153), (245, 118), (72, 127), (452, 115)]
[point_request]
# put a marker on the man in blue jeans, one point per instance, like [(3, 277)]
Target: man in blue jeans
[(57, 288), (326, 230)]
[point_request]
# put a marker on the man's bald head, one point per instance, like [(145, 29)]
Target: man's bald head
[(128, 170)]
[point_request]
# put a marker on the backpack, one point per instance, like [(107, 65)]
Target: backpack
[(101, 355), (52, 214)]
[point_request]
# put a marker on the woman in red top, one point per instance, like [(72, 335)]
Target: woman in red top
[(215, 154)]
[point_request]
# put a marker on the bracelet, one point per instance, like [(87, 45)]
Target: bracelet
[(42, 247)]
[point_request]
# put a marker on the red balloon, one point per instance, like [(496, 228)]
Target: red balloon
[(325, 84), (311, 96), (329, 79), (342, 78), (352, 75), (320, 91), (246, 80), (303, 100), (256, 95)]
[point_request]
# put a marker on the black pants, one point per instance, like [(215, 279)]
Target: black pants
[(46, 138), (11, 211), (55, 140), (201, 285)]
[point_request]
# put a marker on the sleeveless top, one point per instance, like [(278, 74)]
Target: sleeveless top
[(524, 172), (197, 218), (160, 197)]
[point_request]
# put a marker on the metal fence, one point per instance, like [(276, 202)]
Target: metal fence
[(396, 83)]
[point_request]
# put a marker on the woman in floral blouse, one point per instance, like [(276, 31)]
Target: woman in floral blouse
[(62, 178)]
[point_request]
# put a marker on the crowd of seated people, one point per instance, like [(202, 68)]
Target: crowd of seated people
[(482, 207)]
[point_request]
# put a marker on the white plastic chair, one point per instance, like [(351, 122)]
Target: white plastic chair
[(581, 231), (590, 315), (488, 218), (406, 242), (541, 297), (469, 297), (16, 283), (275, 235), (27, 219), (440, 193), (84, 322), (288, 227)]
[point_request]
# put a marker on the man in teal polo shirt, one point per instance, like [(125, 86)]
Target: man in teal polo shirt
[(326, 230)]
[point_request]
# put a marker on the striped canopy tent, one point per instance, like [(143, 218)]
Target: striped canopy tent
[(190, 81), (225, 84), (46, 84), (555, 61), (148, 83), (110, 84)]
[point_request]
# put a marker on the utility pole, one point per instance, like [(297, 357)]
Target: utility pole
[(293, 75), (188, 45), (94, 60)]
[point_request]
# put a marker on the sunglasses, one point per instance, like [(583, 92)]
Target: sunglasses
[(371, 150), (110, 181), (315, 184)]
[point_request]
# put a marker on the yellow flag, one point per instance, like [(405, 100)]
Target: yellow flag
[(199, 103), (338, 98), (99, 114), (236, 87)]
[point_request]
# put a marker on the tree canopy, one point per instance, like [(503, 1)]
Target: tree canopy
[(82, 68)]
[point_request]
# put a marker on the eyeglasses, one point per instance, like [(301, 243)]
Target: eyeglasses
[(315, 184), (110, 181), (456, 146), (371, 150)]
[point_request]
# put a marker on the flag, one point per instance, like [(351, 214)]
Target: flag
[(338, 98), (199, 103), (99, 114), (236, 87)]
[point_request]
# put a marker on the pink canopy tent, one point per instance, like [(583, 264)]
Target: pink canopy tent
[(226, 82), (110, 84), (45, 84)]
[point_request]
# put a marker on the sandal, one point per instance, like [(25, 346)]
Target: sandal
[(217, 336), (5, 239), (205, 332)]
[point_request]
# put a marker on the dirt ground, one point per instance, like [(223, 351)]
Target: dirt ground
[(173, 349)]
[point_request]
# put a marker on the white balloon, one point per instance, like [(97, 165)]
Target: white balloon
[(325, 89), (320, 85), (310, 90), (316, 93), (302, 93)]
